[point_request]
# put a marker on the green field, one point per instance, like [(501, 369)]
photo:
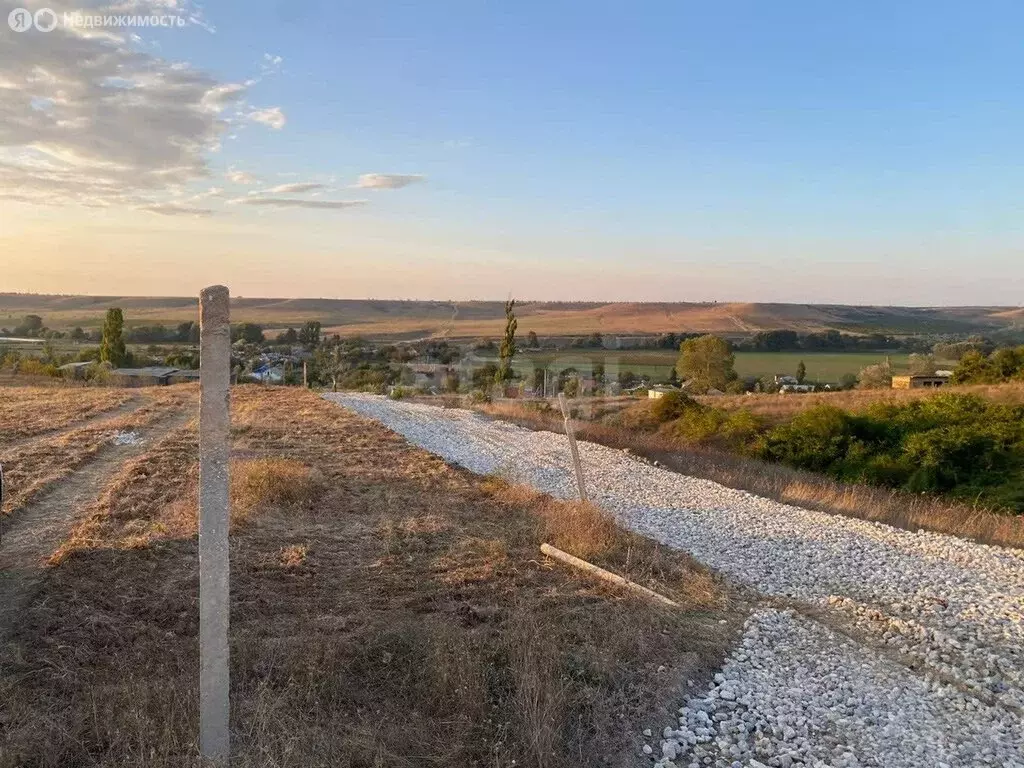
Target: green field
[(821, 366)]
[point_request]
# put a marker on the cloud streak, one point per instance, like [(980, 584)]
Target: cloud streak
[(176, 209), (290, 202), (272, 117), (293, 188), (241, 177), (388, 180)]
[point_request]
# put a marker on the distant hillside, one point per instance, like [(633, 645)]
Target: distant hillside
[(389, 318)]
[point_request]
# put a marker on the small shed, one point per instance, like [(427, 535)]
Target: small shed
[(151, 376), (183, 376), (654, 393), (796, 388), (268, 374), (918, 381)]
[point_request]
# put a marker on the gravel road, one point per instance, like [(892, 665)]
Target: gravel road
[(907, 649)]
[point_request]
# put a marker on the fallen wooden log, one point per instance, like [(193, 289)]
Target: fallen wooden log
[(604, 575)]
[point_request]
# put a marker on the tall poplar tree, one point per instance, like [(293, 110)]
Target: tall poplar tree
[(112, 349), (508, 344)]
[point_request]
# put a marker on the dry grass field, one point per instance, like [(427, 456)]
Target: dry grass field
[(775, 408), (384, 318), (67, 436), (387, 609), (29, 411)]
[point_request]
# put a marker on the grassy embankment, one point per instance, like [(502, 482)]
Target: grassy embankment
[(964, 454)]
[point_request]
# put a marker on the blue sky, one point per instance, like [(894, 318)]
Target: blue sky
[(800, 151)]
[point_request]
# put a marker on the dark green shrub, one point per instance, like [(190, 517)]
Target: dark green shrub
[(671, 406), (816, 439), (698, 425)]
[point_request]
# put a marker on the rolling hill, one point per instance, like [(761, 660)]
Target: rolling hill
[(413, 319)]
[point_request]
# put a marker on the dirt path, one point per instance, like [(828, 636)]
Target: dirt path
[(34, 532)]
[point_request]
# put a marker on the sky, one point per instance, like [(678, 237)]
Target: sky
[(799, 151)]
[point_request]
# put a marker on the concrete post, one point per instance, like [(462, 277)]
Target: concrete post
[(214, 591), (571, 434), (2, 497)]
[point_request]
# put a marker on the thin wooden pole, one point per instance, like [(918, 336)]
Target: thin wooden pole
[(214, 568), (571, 434), (601, 573)]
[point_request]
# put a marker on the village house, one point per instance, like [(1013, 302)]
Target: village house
[(920, 381)]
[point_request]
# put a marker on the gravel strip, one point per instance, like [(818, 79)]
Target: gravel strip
[(950, 609), (795, 693)]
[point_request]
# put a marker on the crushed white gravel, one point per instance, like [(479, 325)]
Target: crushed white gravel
[(936, 678)]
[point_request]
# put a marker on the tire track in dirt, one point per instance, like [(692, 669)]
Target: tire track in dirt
[(36, 530), (126, 408)]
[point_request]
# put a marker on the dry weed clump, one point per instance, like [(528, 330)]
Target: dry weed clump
[(579, 528), (293, 556), (260, 483)]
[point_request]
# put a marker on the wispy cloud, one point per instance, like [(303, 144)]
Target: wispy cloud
[(272, 117), (241, 177), (270, 64), (289, 202), (87, 117), (388, 180), (294, 188), (176, 209)]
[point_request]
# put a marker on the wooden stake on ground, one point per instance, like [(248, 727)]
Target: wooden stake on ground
[(214, 570), (571, 434), (604, 575)]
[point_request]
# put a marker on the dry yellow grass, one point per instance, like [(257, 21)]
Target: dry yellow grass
[(776, 408), (402, 617), (588, 532), (261, 483), (29, 411), (31, 467)]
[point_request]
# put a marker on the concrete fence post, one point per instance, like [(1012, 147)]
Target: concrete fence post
[(214, 569), (571, 434)]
